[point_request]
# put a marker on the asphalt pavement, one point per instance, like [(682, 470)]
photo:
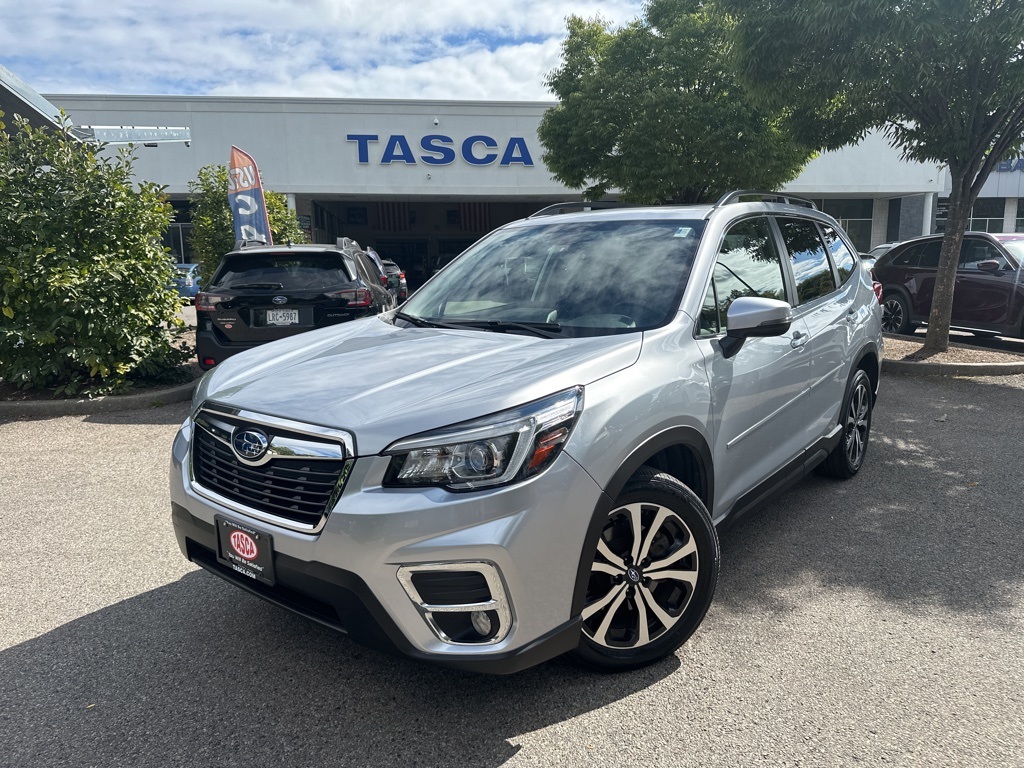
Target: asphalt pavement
[(873, 622)]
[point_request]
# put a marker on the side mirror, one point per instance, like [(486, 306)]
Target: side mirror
[(751, 316), (989, 265)]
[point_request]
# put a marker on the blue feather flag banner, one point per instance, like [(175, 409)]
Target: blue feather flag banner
[(245, 196)]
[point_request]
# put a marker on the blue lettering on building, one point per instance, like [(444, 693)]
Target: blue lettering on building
[(363, 139), (516, 152), (469, 145), (435, 144), (441, 150), (398, 149)]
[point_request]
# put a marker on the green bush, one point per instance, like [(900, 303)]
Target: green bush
[(87, 303), (213, 232)]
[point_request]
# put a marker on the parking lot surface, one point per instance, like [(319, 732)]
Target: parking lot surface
[(877, 621)]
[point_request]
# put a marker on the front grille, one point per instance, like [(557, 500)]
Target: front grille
[(300, 489)]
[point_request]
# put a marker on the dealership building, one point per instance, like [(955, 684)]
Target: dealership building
[(422, 180)]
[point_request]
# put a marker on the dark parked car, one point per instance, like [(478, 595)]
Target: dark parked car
[(187, 281), (396, 280), (264, 293), (988, 299), (877, 252)]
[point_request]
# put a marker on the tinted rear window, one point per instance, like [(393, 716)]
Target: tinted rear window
[(292, 271)]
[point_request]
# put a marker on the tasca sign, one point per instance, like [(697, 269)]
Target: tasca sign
[(1006, 166), (437, 149)]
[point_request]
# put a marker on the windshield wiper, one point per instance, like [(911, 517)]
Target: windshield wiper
[(423, 322), (544, 330), (276, 286)]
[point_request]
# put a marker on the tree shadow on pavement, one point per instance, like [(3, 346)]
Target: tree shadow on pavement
[(932, 521), (195, 673)]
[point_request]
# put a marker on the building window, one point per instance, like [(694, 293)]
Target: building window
[(178, 238), (986, 216), (356, 216), (854, 216)]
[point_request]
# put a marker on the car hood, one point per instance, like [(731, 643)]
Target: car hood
[(383, 382)]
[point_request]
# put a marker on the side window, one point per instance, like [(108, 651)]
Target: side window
[(841, 255), (368, 270), (811, 266), (748, 265), (974, 250), (907, 257), (929, 258)]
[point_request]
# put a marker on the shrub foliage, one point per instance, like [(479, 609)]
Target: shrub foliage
[(86, 297)]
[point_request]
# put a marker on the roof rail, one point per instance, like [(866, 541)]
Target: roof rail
[(347, 244), (577, 206), (764, 197), (240, 244)]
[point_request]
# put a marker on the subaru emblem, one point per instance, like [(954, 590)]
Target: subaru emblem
[(280, 299), (250, 444)]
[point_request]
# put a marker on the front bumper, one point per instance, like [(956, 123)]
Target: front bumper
[(347, 575)]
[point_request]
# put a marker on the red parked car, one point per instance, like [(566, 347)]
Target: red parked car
[(988, 299)]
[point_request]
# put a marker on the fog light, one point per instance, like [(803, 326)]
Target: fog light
[(481, 623)]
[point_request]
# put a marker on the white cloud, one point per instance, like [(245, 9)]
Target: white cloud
[(403, 49)]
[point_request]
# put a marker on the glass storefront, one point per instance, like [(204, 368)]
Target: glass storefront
[(854, 216), (986, 216)]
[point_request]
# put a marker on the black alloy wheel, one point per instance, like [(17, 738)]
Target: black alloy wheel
[(653, 575), (895, 314), (847, 458)]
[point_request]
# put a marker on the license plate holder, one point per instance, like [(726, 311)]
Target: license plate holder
[(245, 550), (282, 317)]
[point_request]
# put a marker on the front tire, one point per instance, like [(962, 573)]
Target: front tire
[(847, 458), (653, 575)]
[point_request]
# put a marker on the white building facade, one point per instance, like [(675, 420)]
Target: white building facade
[(421, 180)]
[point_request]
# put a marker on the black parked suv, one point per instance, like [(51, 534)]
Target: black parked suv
[(264, 293)]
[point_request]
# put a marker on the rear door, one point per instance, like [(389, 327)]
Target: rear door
[(828, 309)]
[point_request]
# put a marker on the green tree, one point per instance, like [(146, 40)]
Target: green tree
[(86, 296), (213, 232), (943, 78), (653, 109)]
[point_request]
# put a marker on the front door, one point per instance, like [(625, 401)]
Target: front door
[(981, 298), (756, 393)]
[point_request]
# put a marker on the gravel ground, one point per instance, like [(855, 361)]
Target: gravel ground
[(909, 349)]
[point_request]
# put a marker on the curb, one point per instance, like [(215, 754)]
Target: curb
[(953, 369), (44, 409)]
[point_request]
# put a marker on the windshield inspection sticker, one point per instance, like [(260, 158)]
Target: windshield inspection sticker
[(683, 232)]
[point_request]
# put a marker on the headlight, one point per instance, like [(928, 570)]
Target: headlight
[(497, 449)]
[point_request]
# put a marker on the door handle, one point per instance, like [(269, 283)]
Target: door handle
[(799, 339)]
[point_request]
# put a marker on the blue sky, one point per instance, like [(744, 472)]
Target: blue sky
[(397, 49)]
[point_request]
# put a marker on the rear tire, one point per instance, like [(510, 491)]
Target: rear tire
[(896, 314), (653, 575), (847, 458)]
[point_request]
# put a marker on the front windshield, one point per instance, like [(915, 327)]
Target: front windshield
[(577, 278), (1016, 249)]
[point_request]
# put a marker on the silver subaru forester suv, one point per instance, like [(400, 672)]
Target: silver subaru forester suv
[(533, 455)]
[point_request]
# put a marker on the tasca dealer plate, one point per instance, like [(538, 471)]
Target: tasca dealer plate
[(245, 550)]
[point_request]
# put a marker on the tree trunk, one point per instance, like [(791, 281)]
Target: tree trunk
[(958, 217)]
